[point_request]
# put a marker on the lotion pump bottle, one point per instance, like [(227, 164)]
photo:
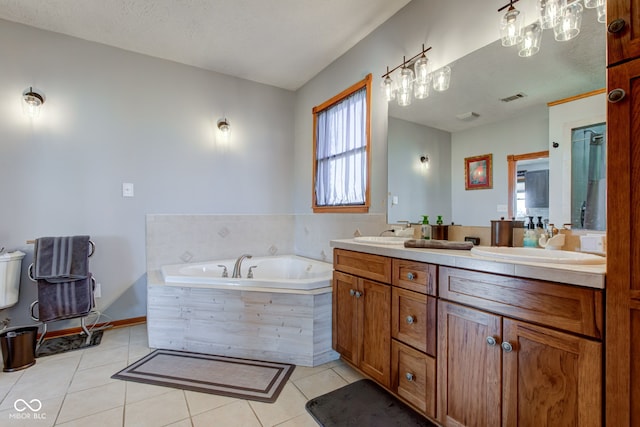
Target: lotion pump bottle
[(426, 228)]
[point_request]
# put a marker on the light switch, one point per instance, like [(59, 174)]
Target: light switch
[(394, 200), (127, 189)]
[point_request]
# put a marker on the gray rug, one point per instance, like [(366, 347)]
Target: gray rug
[(363, 403), (226, 376), (57, 345)]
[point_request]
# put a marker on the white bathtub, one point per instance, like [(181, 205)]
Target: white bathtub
[(283, 314), (279, 272)]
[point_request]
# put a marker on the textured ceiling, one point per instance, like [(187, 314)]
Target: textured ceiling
[(283, 43)]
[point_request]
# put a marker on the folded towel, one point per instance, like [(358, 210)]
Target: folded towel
[(65, 300), (437, 244), (61, 259)]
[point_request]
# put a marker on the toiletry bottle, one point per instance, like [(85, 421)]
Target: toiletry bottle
[(530, 236), (426, 228), (439, 220)]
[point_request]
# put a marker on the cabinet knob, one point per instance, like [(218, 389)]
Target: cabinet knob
[(409, 376), (507, 347), (616, 25), (358, 294), (410, 319), (352, 292), (491, 341), (410, 276), (616, 95)]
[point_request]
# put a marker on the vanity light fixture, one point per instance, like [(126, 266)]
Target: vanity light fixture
[(511, 25), (414, 80), (32, 102), (569, 22), (530, 44)]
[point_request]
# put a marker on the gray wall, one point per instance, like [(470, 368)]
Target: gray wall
[(113, 116)]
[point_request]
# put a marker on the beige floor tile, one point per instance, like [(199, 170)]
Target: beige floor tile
[(290, 404), (137, 352), (110, 418), (42, 383), (348, 373), (237, 414), (90, 402), (115, 338), (95, 377), (138, 334), (304, 420), (43, 415), (157, 411), (203, 402), (320, 383), (97, 356), (138, 391), (305, 371), (182, 423)]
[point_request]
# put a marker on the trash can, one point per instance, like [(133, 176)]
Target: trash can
[(18, 347)]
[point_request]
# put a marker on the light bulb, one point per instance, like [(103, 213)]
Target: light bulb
[(441, 78), (511, 27)]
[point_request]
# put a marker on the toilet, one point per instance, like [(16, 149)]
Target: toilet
[(10, 268)]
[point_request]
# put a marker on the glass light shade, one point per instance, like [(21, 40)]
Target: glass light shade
[(511, 27), (31, 103), (421, 90), (388, 89), (404, 98), (421, 68), (602, 10), (441, 79), (549, 12), (590, 4), (405, 83), (568, 25), (530, 44)]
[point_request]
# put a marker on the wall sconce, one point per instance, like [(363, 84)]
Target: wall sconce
[(224, 126), (31, 102), (424, 160)]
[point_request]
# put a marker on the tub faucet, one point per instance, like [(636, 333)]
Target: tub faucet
[(238, 265)]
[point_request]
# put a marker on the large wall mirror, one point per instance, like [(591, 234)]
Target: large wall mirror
[(509, 96)]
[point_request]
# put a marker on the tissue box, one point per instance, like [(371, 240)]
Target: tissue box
[(593, 243)]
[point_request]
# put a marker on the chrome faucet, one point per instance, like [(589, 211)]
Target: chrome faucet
[(238, 265)]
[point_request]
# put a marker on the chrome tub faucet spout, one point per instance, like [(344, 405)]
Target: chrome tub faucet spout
[(238, 265)]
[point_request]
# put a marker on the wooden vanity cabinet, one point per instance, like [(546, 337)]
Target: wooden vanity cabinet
[(623, 35), (414, 332), (362, 312), (494, 369)]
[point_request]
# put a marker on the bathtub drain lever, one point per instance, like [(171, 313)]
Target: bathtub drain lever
[(250, 273), (225, 273)]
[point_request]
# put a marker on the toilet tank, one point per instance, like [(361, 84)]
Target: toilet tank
[(10, 267)]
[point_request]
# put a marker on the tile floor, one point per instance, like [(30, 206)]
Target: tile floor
[(76, 389)]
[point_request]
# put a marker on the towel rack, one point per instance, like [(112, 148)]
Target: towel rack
[(92, 247)]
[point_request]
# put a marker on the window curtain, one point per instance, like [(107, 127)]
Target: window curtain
[(341, 152)]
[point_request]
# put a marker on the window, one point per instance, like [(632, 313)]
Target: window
[(341, 151)]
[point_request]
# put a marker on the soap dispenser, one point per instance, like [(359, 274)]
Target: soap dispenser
[(530, 236), (426, 228)]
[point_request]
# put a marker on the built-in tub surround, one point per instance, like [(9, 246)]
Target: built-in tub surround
[(281, 319)]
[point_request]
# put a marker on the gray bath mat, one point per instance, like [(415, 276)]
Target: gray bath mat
[(57, 345), (363, 403), (225, 376)]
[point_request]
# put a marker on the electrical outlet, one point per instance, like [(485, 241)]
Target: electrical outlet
[(97, 291), (127, 189)]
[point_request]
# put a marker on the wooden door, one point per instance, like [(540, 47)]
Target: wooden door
[(374, 316), (469, 369), (344, 329), (623, 251), (550, 378), (623, 44)]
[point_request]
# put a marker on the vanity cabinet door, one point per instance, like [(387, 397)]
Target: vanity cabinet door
[(374, 314), (550, 378), (469, 367), (344, 330), (623, 35)]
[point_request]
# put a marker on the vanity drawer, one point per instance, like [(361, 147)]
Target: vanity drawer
[(374, 267), (566, 307), (414, 377), (415, 276), (413, 319)]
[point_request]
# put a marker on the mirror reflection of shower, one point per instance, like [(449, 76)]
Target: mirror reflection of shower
[(589, 177)]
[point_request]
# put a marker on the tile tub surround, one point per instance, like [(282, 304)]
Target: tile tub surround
[(76, 389), (277, 326)]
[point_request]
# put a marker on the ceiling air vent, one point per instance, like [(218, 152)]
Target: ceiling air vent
[(513, 97)]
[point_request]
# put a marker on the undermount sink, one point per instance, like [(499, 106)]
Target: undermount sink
[(536, 255), (381, 240)]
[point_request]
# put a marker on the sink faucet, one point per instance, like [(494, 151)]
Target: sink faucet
[(238, 265)]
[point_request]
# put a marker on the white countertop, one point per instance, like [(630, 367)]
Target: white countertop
[(592, 276)]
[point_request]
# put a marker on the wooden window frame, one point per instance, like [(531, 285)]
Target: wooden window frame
[(364, 208)]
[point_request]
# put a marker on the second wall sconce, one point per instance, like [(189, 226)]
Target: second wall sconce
[(425, 161), (224, 126), (32, 102)]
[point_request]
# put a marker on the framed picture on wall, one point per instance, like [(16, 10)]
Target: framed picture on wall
[(478, 172)]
